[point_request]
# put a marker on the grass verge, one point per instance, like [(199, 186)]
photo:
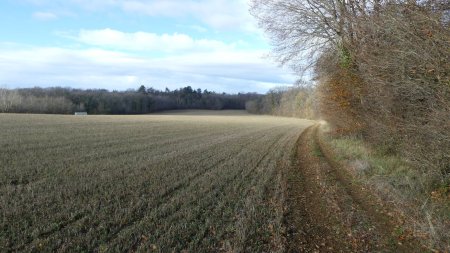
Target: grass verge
[(422, 204)]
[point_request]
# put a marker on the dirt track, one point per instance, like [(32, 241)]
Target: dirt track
[(329, 212)]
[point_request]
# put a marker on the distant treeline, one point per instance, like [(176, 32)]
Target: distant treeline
[(59, 100), (297, 101)]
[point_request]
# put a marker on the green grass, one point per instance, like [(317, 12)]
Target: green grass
[(370, 163), (316, 151), (144, 183), (426, 206)]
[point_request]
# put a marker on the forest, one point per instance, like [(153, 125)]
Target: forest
[(381, 69), (57, 100)]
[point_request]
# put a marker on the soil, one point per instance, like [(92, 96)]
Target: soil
[(329, 211)]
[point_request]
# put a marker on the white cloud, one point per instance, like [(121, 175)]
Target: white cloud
[(44, 16), (113, 59), (196, 28), (144, 41), (216, 14), (229, 71), (85, 4), (94, 4)]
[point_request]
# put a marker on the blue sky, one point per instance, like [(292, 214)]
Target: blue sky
[(121, 44)]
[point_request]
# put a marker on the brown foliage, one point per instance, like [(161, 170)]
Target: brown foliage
[(340, 94), (404, 60), (383, 72), (297, 101)]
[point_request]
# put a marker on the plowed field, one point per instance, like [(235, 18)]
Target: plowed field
[(191, 181)]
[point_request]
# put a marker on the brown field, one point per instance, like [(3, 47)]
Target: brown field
[(195, 181)]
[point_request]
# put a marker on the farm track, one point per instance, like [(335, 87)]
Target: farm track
[(331, 212)]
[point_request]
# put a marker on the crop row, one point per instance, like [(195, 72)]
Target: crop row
[(119, 183)]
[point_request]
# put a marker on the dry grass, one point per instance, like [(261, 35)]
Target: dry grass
[(425, 209), (143, 183)]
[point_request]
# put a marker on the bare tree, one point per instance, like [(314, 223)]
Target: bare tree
[(9, 99), (383, 72), (300, 30)]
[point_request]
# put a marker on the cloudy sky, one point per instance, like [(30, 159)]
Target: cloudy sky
[(121, 44)]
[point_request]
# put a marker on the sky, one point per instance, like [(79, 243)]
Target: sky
[(122, 44)]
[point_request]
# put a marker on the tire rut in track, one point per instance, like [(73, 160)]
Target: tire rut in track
[(327, 211)]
